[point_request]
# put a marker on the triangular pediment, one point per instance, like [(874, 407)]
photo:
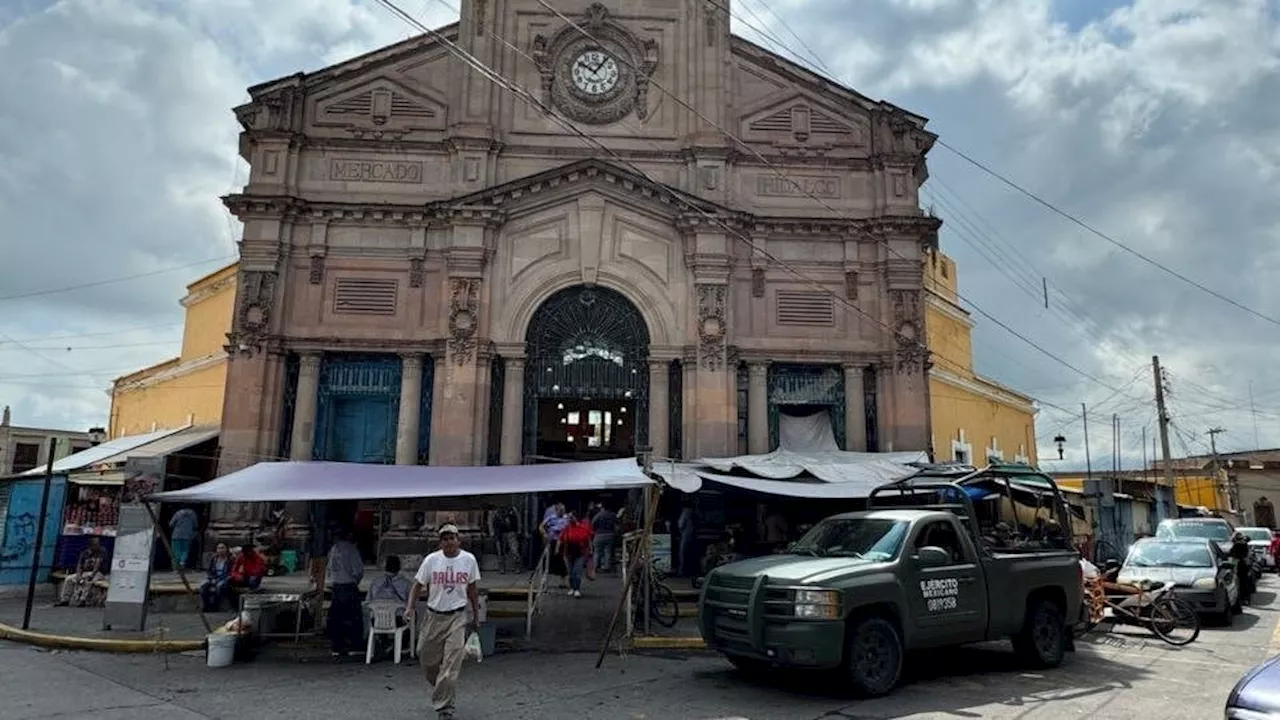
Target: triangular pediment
[(378, 103), (801, 117), (593, 175)]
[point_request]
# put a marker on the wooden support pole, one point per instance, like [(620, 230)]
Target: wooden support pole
[(182, 571)]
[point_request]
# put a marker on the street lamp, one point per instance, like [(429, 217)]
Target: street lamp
[(1060, 441)]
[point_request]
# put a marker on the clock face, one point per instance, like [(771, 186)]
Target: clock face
[(595, 73)]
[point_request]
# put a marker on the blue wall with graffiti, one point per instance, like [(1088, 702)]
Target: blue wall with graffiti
[(18, 549)]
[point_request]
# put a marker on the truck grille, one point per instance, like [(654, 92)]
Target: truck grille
[(726, 610)]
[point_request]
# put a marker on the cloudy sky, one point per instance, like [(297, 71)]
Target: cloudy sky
[(1153, 121)]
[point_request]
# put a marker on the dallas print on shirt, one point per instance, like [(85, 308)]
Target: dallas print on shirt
[(447, 579)]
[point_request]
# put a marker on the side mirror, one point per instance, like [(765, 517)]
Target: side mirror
[(932, 556)]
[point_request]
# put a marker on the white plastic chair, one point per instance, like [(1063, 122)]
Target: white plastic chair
[(384, 623)]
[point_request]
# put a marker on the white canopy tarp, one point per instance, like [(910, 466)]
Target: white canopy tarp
[(807, 450), (295, 481)]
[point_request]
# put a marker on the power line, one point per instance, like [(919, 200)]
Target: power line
[(97, 283), (1052, 207), (683, 200), (1094, 231), (805, 191)]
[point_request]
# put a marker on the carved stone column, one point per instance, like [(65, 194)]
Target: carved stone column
[(408, 427), (461, 389), (304, 409), (855, 414), (513, 412), (659, 408), (758, 408), (716, 387)]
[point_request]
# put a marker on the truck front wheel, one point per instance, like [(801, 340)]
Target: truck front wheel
[(1042, 641), (874, 656)]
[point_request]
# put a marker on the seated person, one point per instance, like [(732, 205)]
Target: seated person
[(217, 580), (80, 588), (249, 568), (390, 587)]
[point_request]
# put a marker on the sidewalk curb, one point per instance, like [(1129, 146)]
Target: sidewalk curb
[(656, 642), (71, 642)]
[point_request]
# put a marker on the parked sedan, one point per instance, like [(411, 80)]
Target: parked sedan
[(1192, 566), (1209, 528), (1257, 695)]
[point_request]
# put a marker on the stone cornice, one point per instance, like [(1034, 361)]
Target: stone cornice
[(307, 344), (987, 389), (818, 357), (204, 293), (171, 372), (934, 300)]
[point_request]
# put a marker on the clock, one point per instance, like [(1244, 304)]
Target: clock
[(595, 73), (599, 79)]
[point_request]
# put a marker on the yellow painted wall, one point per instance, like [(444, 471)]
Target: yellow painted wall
[(965, 407), (189, 388), (1198, 490)]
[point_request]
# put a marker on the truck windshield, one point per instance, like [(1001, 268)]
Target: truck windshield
[(1169, 554), (868, 538)]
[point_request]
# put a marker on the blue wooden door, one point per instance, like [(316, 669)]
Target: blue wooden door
[(18, 549), (362, 430)]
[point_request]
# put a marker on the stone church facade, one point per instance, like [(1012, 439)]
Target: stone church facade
[(435, 270)]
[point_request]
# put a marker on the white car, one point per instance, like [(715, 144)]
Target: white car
[(1260, 544)]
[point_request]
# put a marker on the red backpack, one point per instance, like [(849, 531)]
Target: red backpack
[(577, 534)]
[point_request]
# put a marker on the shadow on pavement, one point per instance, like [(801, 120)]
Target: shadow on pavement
[(985, 674)]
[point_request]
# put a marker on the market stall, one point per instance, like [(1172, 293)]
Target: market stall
[(335, 483)]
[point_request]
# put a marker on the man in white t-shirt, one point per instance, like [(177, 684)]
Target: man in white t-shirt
[(449, 575)]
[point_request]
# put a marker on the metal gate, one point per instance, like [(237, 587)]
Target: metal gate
[(586, 343)]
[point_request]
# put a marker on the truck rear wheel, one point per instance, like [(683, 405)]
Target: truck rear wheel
[(873, 658), (1042, 640)]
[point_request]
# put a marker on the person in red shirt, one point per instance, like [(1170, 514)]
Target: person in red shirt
[(249, 568), (1275, 551), (576, 546)]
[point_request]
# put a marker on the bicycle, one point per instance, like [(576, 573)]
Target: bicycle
[(1154, 606), (663, 608)]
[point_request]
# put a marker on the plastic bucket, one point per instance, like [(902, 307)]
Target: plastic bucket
[(221, 650)]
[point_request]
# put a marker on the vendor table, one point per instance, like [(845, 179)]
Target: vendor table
[(259, 602)]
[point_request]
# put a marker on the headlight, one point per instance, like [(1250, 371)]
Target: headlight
[(1205, 583), (818, 604)]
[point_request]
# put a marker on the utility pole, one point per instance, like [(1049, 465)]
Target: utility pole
[(1233, 493), (1088, 464), (1162, 415)]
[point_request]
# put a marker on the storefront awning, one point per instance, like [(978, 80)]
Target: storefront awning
[(111, 477), (98, 453), (296, 481), (169, 444)]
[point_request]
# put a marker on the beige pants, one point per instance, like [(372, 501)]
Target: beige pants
[(441, 650)]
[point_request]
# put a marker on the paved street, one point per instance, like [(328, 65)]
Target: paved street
[(1125, 675)]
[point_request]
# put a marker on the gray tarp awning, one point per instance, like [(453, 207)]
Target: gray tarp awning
[(294, 481)]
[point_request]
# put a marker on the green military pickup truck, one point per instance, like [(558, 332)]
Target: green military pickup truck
[(928, 564)]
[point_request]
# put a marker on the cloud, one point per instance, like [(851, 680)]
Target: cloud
[(1153, 120)]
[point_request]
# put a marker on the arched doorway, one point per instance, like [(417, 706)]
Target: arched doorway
[(586, 376)]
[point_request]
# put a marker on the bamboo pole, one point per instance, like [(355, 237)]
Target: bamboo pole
[(182, 571), (650, 513)]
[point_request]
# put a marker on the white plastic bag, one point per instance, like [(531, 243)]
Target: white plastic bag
[(472, 648)]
